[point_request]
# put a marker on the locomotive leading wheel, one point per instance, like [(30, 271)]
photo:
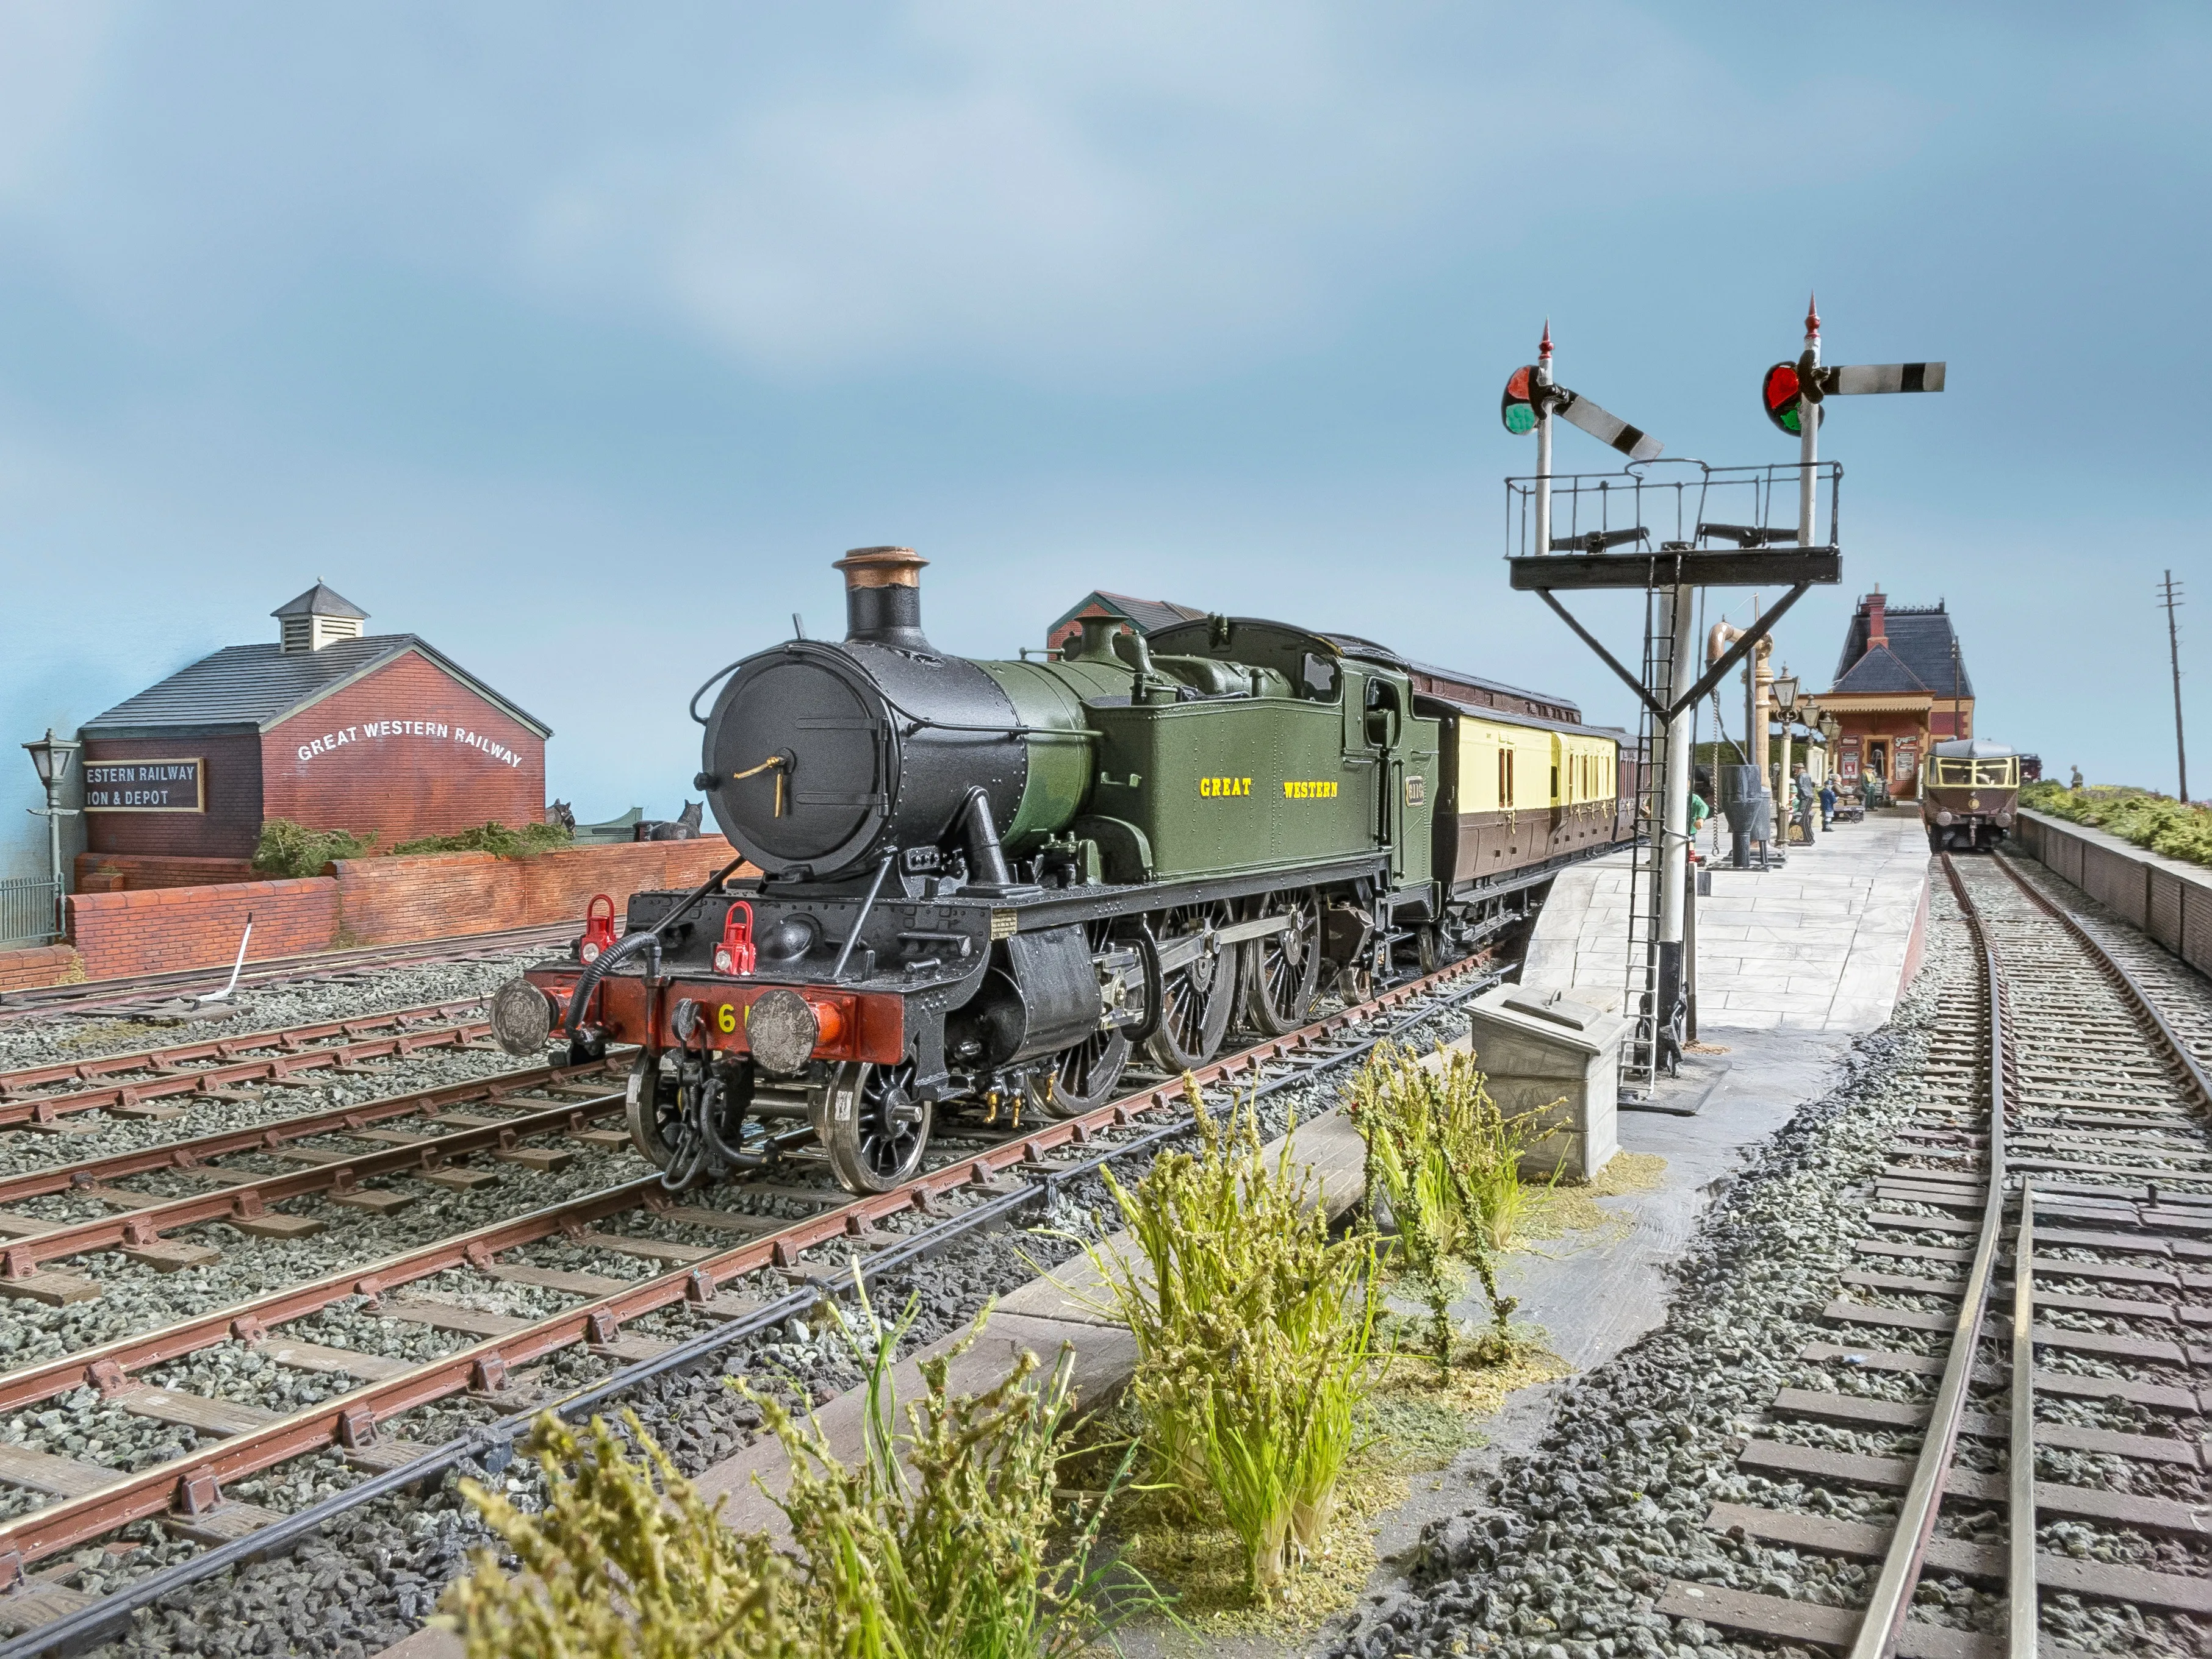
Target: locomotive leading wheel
[(655, 1112), (871, 1126), (1082, 1077), (1283, 971), (1197, 997)]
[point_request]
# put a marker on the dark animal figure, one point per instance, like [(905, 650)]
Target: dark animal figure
[(685, 826), (562, 813)]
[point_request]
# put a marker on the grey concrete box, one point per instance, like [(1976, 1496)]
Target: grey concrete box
[(1553, 1057)]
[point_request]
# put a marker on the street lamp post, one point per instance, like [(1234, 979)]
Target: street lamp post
[(1785, 710), (51, 756)]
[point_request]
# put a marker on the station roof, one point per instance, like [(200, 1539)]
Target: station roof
[(258, 687), (1914, 657)]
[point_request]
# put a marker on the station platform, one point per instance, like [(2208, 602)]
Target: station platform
[(1821, 944)]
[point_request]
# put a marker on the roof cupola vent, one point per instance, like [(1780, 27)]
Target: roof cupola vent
[(317, 618)]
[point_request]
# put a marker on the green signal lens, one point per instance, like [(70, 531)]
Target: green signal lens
[(1789, 419), (1520, 419)]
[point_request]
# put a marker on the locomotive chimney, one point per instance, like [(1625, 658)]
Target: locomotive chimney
[(883, 596)]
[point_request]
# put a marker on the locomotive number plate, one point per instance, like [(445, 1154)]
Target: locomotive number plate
[(1004, 924), (1417, 790)]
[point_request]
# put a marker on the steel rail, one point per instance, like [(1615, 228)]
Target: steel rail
[(2022, 1607), (317, 965), (21, 1257), (224, 1047), (2130, 989), (1888, 1607), (350, 1419), (39, 1110), (201, 1149)]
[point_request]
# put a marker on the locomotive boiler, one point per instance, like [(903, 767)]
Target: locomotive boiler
[(989, 885)]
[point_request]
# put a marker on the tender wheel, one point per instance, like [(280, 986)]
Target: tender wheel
[(1081, 1077), (1282, 971), (1197, 997), (873, 1128)]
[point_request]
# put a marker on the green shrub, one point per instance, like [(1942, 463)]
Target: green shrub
[(293, 850), (626, 1561), (494, 838), (2172, 828), (1254, 1335), (1447, 1163)]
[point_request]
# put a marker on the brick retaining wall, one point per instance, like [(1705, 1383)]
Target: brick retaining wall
[(136, 872), (2169, 900), (385, 901), (170, 928), (40, 966), (376, 901)]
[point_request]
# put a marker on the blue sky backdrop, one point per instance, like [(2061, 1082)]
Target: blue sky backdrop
[(579, 340)]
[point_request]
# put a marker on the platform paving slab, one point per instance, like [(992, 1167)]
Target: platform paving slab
[(1819, 945)]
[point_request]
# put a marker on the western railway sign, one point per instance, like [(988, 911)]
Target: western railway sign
[(145, 786), (435, 731)]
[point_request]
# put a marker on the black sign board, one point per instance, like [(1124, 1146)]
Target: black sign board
[(145, 786)]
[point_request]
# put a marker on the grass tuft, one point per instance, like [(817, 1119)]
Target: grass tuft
[(1254, 1335), (947, 1541), (1444, 1163), (626, 1561)]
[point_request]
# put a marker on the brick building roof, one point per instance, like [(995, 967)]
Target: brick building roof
[(1145, 616), (1901, 649), (260, 686)]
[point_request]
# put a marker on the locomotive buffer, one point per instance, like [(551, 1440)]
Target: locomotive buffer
[(1729, 530)]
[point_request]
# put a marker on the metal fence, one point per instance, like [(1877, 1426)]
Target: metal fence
[(26, 911)]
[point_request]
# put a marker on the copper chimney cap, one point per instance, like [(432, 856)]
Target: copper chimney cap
[(881, 566)]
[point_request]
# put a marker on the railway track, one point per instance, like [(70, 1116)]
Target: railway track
[(140, 993), (149, 1083), (717, 1268), (2029, 1326)]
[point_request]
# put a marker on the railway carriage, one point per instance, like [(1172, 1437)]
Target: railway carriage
[(1971, 795), (988, 885)]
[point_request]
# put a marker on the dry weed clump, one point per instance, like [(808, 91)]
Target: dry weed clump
[(945, 1541), (626, 1561), (1444, 1163), (1255, 1337)]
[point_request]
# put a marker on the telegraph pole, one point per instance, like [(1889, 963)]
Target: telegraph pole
[(2169, 598)]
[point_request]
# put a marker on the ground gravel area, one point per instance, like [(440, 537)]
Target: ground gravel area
[(369, 1579), (46, 1038), (1571, 1545)]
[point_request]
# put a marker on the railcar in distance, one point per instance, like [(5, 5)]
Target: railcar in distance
[(1971, 795)]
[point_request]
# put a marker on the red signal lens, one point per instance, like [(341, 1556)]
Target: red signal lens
[(1515, 407), (1777, 395)]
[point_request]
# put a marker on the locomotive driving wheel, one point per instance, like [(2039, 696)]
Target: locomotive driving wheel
[(1197, 996), (1282, 970), (871, 1125), (1082, 1077)]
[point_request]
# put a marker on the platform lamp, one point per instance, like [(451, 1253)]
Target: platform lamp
[(1785, 709), (1831, 729), (51, 755)]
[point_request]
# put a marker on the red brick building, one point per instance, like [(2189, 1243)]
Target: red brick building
[(380, 734), (1901, 685)]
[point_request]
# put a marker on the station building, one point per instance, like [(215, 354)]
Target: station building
[(1901, 685), (333, 728)]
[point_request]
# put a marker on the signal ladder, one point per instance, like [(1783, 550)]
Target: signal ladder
[(1646, 1053)]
